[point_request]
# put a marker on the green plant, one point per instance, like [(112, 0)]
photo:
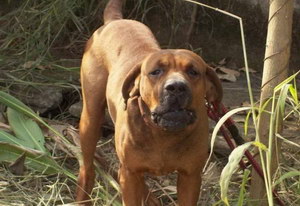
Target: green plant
[(283, 93), (28, 140)]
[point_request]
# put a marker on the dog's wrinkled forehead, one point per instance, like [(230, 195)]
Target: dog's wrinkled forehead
[(175, 59)]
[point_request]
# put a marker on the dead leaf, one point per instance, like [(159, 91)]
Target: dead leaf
[(171, 188), (66, 130), (72, 132), (41, 67), (29, 64), (33, 64), (246, 104), (223, 61), (243, 69), (212, 64), (227, 77), (5, 126), (18, 167), (3, 183), (225, 70), (239, 118)]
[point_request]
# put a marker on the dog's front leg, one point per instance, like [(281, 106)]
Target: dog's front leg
[(132, 187), (188, 188)]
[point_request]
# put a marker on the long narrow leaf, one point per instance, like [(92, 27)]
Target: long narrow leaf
[(282, 97), (294, 94), (243, 188), (287, 175), (246, 123), (219, 125), (233, 161), (16, 104), (8, 138), (36, 160), (286, 81), (19, 106)]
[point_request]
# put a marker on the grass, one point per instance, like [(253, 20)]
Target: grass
[(34, 189)]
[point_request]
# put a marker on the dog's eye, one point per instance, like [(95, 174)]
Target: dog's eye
[(192, 72), (156, 72)]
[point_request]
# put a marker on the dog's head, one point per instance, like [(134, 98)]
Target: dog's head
[(174, 85)]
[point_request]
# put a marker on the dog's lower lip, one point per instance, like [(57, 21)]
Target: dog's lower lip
[(154, 114), (174, 116)]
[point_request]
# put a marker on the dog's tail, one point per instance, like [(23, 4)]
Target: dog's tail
[(113, 11)]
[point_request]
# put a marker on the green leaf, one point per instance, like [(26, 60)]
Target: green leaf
[(219, 125), (294, 94), (247, 122), (8, 138), (32, 133), (286, 81), (233, 161), (34, 159), (19, 106), (16, 104), (282, 97), (243, 188), (287, 175), (27, 130)]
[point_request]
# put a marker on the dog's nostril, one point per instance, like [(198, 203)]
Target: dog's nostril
[(170, 88), (182, 88), (176, 87)]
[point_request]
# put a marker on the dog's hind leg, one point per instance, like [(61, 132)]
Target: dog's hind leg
[(93, 81)]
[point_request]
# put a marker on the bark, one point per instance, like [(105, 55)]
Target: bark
[(275, 70)]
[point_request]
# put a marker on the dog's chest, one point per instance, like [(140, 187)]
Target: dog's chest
[(157, 162), (158, 157)]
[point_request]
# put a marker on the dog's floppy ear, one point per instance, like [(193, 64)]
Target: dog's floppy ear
[(130, 86), (214, 91)]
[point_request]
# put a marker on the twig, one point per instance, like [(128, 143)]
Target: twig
[(192, 25)]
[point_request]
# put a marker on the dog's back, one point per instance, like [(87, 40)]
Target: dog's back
[(121, 37), (120, 44)]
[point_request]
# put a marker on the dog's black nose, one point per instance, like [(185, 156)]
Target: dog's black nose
[(176, 87)]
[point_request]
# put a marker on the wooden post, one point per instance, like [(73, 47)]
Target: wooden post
[(275, 70)]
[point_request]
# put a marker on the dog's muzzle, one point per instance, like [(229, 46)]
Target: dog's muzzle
[(172, 113)]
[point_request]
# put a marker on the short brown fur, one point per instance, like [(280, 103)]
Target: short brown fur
[(116, 72)]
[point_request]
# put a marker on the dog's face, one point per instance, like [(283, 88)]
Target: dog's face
[(174, 84)]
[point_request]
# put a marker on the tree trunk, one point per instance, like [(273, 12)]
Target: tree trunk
[(275, 70)]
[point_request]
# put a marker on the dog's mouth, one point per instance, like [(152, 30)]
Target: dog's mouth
[(173, 120)]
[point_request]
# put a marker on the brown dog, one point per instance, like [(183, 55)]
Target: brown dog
[(156, 99)]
